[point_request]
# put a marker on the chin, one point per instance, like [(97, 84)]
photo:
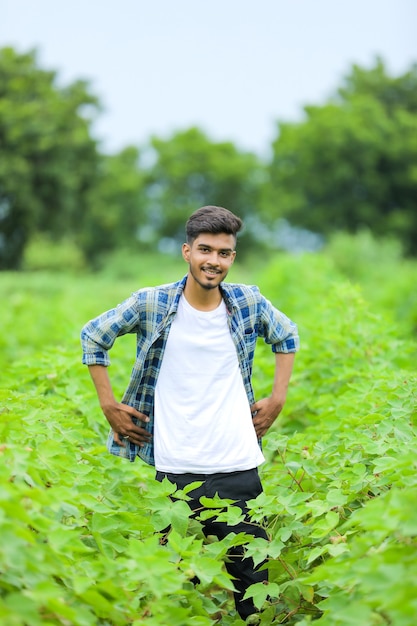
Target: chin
[(210, 286)]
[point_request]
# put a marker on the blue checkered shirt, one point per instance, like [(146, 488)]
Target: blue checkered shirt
[(149, 313)]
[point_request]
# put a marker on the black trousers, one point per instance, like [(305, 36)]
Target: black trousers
[(240, 487)]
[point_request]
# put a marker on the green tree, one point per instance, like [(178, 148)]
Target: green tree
[(48, 159), (392, 92), (351, 163), (189, 171), (116, 207)]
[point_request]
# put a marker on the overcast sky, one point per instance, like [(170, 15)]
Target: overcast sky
[(231, 67)]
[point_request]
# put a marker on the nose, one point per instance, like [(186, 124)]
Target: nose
[(214, 258)]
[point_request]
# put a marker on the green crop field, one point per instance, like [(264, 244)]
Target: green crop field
[(80, 528)]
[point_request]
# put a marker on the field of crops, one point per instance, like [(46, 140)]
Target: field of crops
[(80, 528)]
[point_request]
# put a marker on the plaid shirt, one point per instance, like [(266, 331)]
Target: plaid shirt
[(149, 313)]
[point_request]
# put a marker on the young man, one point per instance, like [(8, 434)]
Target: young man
[(189, 408)]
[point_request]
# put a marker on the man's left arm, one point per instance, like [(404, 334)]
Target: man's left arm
[(266, 411)]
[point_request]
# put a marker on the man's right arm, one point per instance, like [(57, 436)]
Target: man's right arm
[(118, 415), (97, 338)]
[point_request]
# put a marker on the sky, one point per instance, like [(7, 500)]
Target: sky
[(234, 68)]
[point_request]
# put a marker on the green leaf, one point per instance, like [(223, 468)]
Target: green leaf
[(335, 497), (260, 592)]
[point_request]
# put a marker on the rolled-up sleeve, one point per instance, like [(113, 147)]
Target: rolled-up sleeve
[(100, 333), (278, 330)]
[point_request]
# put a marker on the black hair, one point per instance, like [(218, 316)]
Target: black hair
[(212, 219)]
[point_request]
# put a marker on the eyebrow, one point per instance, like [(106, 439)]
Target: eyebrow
[(206, 245)]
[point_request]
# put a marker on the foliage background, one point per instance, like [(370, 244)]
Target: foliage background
[(80, 529), (349, 165)]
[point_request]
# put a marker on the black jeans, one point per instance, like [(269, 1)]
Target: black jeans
[(240, 487)]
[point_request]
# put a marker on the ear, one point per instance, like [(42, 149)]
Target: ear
[(186, 252)]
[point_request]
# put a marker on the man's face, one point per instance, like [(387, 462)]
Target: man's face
[(209, 258)]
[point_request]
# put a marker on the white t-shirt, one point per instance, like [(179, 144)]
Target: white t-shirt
[(203, 422)]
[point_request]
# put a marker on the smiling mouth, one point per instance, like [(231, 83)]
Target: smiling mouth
[(211, 272)]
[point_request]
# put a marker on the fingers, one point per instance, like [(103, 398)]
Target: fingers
[(124, 429), (119, 439), (135, 435), (131, 411), (262, 417)]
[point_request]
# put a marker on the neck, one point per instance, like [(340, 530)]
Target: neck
[(200, 298)]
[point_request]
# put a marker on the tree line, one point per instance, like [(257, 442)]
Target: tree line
[(349, 164)]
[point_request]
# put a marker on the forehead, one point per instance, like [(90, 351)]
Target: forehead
[(219, 241)]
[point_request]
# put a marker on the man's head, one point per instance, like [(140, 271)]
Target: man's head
[(210, 247), (212, 219)]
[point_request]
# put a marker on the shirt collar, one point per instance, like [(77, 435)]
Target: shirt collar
[(227, 295), (225, 290)]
